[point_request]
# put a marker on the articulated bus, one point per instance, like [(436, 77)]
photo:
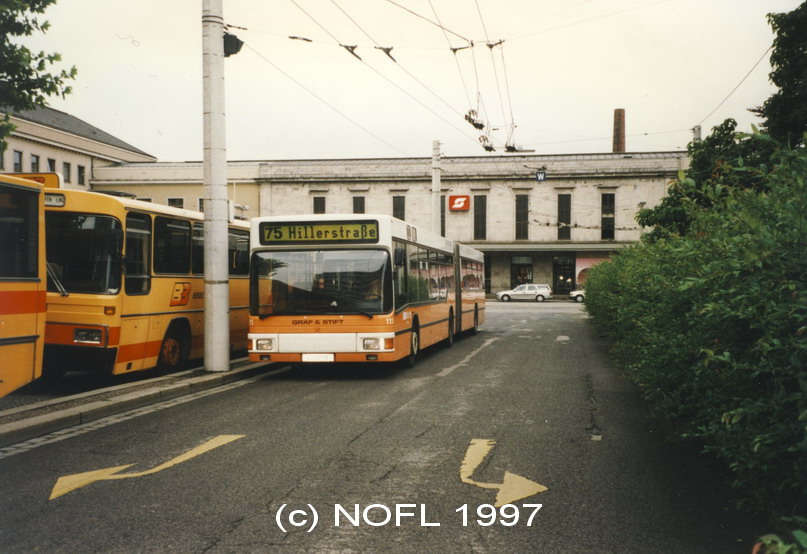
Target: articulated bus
[(22, 282), (357, 288), (126, 284)]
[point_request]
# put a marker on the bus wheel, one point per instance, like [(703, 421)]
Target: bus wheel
[(172, 351), (476, 321), (414, 346), (449, 342)]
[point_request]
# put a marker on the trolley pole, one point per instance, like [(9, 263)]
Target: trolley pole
[(217, 286), (436, 187)]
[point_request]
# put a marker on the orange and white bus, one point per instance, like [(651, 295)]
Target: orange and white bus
[(357, 288), (126, 284), (22, 282)]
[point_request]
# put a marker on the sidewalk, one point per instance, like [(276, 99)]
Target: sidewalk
[(33, 420)]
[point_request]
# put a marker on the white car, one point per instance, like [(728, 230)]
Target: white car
[(537, 293), (578, 295)]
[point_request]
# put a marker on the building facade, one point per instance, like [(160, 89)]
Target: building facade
[(542, 219), (47, 140)]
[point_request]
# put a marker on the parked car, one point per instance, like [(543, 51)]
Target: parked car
[(578, 295), (538, 293)]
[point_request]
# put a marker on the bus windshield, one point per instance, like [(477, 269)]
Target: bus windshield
[(83, 253), (321, 282)]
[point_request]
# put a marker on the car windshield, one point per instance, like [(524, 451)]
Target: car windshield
[(83, 253), (320, 282)]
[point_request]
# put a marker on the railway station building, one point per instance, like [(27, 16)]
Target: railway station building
[(537, 218)]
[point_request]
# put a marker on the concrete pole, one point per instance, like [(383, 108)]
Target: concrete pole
[(436, 186), (217, 287)]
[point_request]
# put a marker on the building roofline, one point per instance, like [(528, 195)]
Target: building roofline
[(61, 121)]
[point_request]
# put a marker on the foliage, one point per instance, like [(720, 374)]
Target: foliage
[(711, 174), (713, 159), (785, 112), (712, 325), (25, 82)]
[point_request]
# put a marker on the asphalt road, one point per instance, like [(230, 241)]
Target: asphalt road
[(529, 413)]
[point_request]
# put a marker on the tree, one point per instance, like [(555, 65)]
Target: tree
[(785, 112), (25, 82), (713, 161), (713, 171)]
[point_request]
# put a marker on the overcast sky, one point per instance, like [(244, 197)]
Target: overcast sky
[(551, 86)]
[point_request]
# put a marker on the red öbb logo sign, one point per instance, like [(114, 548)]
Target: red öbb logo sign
[(459, 203)]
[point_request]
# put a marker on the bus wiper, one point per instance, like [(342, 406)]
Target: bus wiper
[(56, 281), (353, 307)]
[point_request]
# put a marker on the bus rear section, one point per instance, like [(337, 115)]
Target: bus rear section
[(22, 282)]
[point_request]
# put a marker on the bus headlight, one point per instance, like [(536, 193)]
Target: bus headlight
[(372, 344), (88, 336), (265, 344)]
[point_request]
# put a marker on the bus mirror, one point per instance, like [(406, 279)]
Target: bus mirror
[(400, 257)]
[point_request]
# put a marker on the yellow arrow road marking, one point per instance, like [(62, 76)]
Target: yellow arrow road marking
[(512, 488), (70, 483)]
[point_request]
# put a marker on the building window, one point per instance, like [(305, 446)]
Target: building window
[(176, 202), (34, 163), (522, 216), (17, 161), (564, 216), (608, 216), (443, 215), (2, 160), (66, 172), (319, 204), (358, 204), (399, 207), (51, 165), (480, 217), (201, 204), (81, 175)]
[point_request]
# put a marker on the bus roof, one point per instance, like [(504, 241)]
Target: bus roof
[(17, 181), (108, 201)]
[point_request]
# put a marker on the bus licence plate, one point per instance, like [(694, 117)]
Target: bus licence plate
[(318, 357)]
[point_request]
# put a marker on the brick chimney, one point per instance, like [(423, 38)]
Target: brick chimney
[(619, 130)]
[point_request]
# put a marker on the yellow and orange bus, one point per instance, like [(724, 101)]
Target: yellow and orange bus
[(126, 284), (357, 288), (22, 282)]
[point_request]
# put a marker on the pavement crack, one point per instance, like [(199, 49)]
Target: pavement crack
[(593, 429)]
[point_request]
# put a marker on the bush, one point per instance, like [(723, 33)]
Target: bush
[(712, 326)]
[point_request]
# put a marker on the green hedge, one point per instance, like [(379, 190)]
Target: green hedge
[(712, 326)]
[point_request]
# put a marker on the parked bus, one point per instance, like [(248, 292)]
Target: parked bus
[(357, 288), (126, 284), (22, 282)]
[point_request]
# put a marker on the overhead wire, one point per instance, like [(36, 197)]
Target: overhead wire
[(325, 102), (456, 60), (398, 64), (509, 146), (387, 78), (759, 61)]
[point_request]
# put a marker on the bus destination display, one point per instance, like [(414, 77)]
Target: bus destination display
[(342, 232)]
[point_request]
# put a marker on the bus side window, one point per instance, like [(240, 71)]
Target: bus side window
[(138, 253), (238, 252), (172, 246), (198, 250), (400, 273)]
